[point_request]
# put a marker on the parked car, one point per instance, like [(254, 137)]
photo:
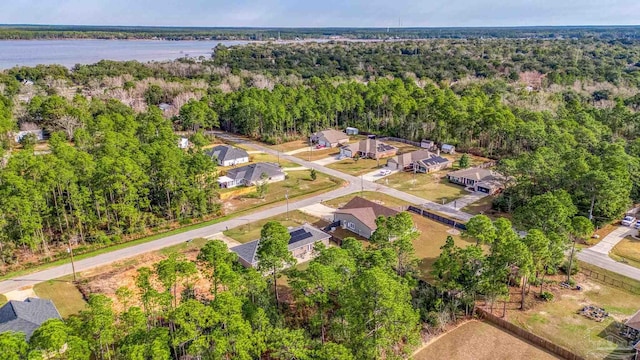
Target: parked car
[(320, 146), (628, 220), (637, 225), (385, 172)]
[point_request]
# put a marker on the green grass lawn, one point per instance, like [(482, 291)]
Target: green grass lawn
[(482, 206), (473, 160), (289, 146), (357, 168), (627, 250), (64, 294), (559, 322), (3, 299), (262, 157), (432, 186), (317, 154), (251, 231), (380, 198)]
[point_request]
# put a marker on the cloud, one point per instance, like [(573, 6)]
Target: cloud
[(326, 13)]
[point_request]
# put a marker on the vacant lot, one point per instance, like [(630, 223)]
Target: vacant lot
[(477, 340), (64, 294), (474, 160), (627, 250), (317, 154), (402, 147), (290, 146), (297, 184), (263, 157), (433, 186), (251, 231), (559, 321), (357, 168)]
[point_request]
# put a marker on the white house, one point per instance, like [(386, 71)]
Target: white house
[(227, 155)]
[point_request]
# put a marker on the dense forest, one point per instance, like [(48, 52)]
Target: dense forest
[(221, 33), (555, 122)]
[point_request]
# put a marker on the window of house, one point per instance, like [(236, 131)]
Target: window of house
[(351, 226)]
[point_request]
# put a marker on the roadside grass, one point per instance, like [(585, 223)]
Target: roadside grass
[(251, 231), (482, 206), (631, 285), (263, 157), (289, 146), (559, 321), (434, 186), (380, 198), (297, 184), (3, 299), (627, 250), (480, 341), (317, 154), (357, 168), (274, 200), (64, 294)]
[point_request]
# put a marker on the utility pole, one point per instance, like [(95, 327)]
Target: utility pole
[(73, 266)]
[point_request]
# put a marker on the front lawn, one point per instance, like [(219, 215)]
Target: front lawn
[(434, 186), (357, 168), (64, 294), (317, 154), (627, 250), (377, 197), (251, 231), (290, 146), (264, 157)]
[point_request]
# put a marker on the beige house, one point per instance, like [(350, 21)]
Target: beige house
[(478, 179), (359, 216), (422, 161), (369, 148), (329, 138), (301, 244)]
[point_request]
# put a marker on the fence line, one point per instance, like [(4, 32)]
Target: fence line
[(528, 336), (439, 218), (405, 141), (609, 280)]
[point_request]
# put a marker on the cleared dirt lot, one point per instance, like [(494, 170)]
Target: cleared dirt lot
[(477, 340)]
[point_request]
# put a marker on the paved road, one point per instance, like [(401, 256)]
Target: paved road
[(612, 239), (466, 200), (598, 255)]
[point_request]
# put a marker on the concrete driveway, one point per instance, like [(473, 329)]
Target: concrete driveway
[(466, 200), (598, 254), (377, 175), (319, 210), (612, 239), (328, 160)]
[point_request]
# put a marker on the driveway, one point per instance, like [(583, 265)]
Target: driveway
[(328, 160), (598, 254), (377, 175), (466, 200), (612, 239)]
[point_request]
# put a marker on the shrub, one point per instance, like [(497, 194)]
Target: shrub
[(547, 296), (574, 267)]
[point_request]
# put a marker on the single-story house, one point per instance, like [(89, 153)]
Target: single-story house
[(183, 143), (329, 138), (359, 216), (351, 131), (26, 316), (303, 239), (39, 134), (428, 144), (422, 161), (482, 180), (448, 149), (252, 174), (227, 155), (369, 148)]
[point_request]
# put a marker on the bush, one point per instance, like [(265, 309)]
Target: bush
[(574, 267), (547, 296)]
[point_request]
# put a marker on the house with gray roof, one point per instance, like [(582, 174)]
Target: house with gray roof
[(448, 149), (422, 161), (369, 148), (26, 316), (251, 175), (329, 138), (227, 155), (478, 179), (303, 239)]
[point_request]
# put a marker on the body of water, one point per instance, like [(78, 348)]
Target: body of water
[(75, 51)]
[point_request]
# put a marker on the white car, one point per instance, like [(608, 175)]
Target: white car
[(637, 225), (628, 220), (385, 172)]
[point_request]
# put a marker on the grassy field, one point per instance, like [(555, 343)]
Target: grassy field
[(481, 341), (357, 168), (289, 146), (262, 157), (317, 154), (628, 250), (251, 231), (297, 184), (432, 186), (380, 198), (3, 299), (482, 206), (64, 294), (474, 160), (402, 147), (559, 321)]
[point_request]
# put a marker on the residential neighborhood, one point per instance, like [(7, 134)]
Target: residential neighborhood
[(359, 216), (369, 148), (227, 155), (329, 138), (251, 175), (421, 161)]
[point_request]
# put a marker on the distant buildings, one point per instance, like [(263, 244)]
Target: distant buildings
[(351, 131), (359, 216), (303, 239), (421, 161), (428, 144), (26, 316), (252, 174), (329, 138), (481, 180), (164, 107), (227, 155), (448, 149), (369, 148)]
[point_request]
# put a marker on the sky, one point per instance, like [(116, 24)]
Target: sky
[(323, 13)]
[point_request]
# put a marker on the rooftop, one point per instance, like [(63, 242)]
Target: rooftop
[(332, 135), (226, 153), (366, 211), (634, 321), (26, 316), (253, 172), (371, 146), (300, 236)]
